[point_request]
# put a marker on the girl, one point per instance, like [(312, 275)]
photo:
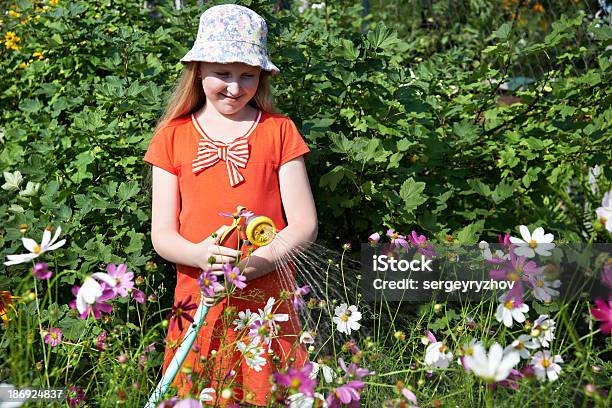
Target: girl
[(219, 145)]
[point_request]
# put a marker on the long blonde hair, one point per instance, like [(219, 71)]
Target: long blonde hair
[(188, 95)]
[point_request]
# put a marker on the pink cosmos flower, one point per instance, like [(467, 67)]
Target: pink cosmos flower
[(41, 271), (124, 280), (504, 240), (297, 380), (346, 395), (75, 396), (419, 242), (374, 238), (397, 240), (208, 283), (353, 370), (603, 313), (234, 276), (138, 295), (512, 381), (516, 270), (99, 307), (101, 337), (54, 337), (298, 294)]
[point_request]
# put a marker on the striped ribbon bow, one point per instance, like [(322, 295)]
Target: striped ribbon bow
[(235, 155)]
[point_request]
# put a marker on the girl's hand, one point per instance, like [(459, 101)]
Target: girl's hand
[(209, 249)]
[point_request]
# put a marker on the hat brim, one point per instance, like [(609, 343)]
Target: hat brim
[(225, 52)]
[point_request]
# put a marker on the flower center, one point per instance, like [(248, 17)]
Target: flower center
[(513, 276), (603, 220), (443, 348), (37, 249), (295, 383), (232, 276), (423, 244), (509, 304), (469, 351), (533, 244), (206, 282), (539, 283), (179, 312), (344, 318), (545, 363), (395, 234)]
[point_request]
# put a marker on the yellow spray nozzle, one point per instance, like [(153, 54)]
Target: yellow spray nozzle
[(260, 230)]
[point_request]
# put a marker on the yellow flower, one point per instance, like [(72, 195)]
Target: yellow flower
[(53, 2), (23, 65), (38, 54), (14, 13), (538, 8), (6, 302), (11, 36)]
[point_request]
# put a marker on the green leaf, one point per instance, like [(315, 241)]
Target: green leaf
[(332, 178), (479, 187), (136, 242), (30, 105), (470, 233), (127, 190), (13, 180), (502, 191), (503, 32), (382, 37), (411, 192)]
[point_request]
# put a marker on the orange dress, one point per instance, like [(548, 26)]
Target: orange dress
[(272, 141)]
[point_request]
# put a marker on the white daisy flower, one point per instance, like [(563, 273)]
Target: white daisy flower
[(538, 242), (522, 345), (510, 310), (91, 290), (347, 318), (438, 355), (542, 332), (253, 354), (245, 319), (545, 365), (543, 289), (604, 213), (493, 367), (299, 400), (47, 244), (270, 318), (328, 373), (307, 338)]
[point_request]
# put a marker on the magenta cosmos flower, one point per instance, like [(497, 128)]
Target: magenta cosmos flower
[(75, 396), (234, 276), (297, 380), (54, 337), (179, 312), (397, 240), (298, 297), (41, 271), (515, 270), (138, 295), (208, 283), (99, 307), (419, 242), (346, 395), (603, 313), (124, 280)]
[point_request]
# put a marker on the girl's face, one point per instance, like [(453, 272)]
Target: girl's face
[(229, 87)]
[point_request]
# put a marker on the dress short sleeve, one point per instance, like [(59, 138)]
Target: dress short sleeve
[(161, 150), (292, 143)]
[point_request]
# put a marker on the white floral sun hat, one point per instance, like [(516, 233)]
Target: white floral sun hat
[(232, 33)]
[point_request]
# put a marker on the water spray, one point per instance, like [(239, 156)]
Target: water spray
[(253, 231)]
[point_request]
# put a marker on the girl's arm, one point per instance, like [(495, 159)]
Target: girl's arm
[(301, 229)]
